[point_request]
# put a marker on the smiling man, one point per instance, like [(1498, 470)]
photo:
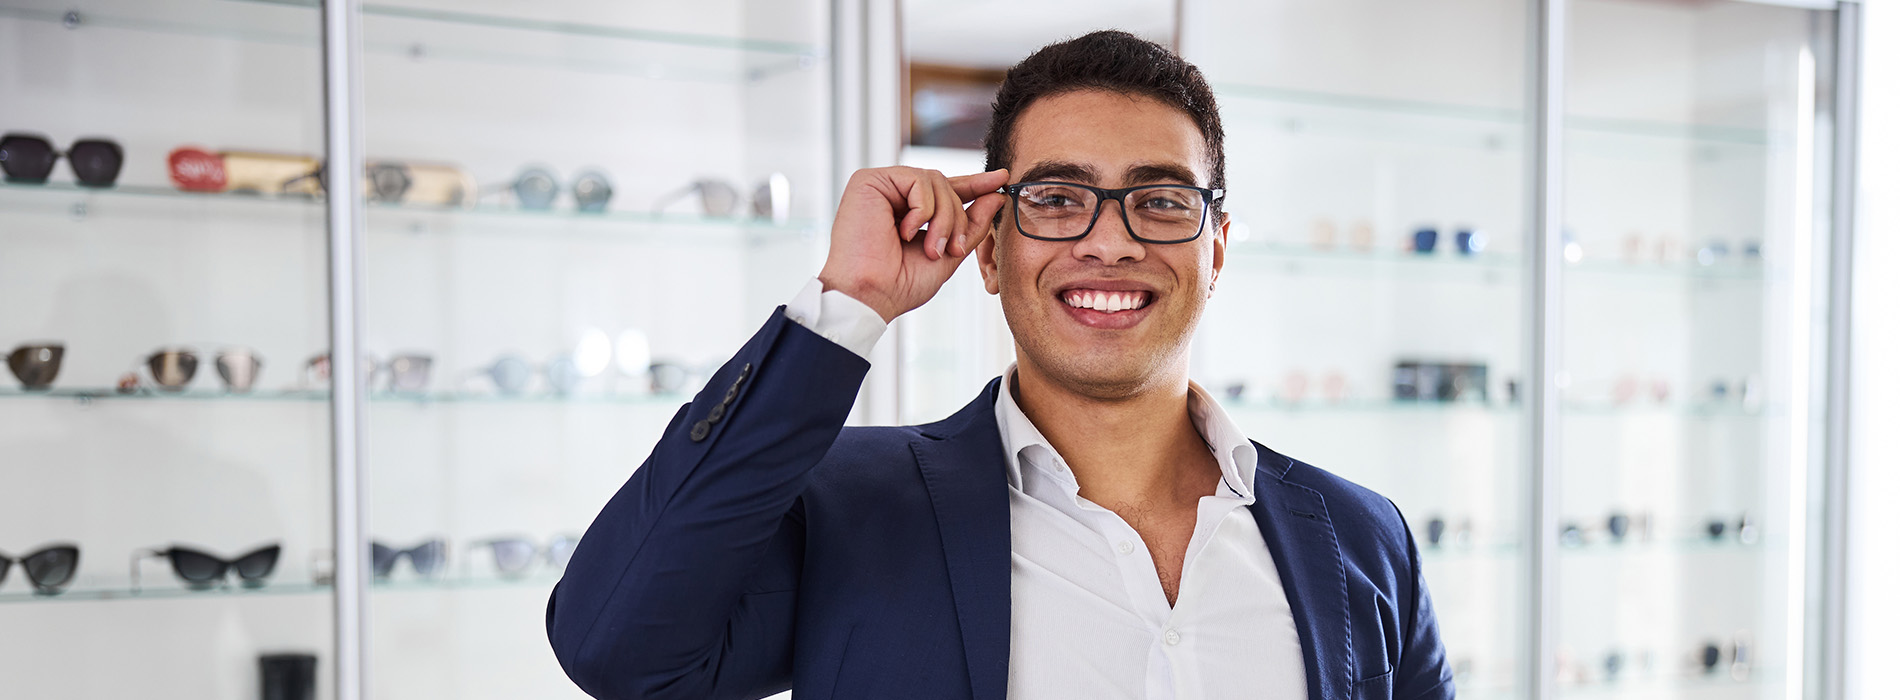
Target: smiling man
[(1091, 526)]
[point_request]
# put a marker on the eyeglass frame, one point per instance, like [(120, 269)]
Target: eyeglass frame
[(1212, 197)]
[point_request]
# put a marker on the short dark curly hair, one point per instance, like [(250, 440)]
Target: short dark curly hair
[(1106, 60)]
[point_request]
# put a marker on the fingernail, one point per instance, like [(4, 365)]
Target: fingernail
[(942, 243)]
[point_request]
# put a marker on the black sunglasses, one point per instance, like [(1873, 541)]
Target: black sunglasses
[(27, 158), (427, 557), (50, 569), (1049, 210), (201, 571)]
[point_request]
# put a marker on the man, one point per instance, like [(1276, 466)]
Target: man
[(1091, 526)]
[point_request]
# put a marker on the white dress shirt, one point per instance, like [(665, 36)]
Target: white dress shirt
[(1088, 618)]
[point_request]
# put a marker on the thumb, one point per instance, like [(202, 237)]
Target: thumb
[(983, 211)]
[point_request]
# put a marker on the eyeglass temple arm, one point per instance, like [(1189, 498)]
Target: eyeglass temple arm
[(140, 556)]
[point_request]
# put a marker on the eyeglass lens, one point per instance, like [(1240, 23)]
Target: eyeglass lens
[(1158, 214), (513, 556), (26, 158), (49, 569)]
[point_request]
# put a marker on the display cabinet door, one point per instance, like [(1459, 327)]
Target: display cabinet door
[(576, 212), (1688, 305), (164, 443), (1372, 315)]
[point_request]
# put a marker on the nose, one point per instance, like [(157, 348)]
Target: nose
[(1110, 242)]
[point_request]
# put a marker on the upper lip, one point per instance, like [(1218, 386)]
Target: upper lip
[(1107, 286)]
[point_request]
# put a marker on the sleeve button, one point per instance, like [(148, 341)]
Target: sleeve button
[(700, 429)]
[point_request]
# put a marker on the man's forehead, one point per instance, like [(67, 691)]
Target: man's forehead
[(1100, 137)]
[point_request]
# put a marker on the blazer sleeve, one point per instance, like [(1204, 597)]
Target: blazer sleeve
[(684, 586), (1422, 673)]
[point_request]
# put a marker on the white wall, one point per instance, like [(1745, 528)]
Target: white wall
[(1873, 612)]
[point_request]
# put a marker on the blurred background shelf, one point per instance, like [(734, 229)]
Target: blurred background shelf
[(535, 582), (595, 44), (1465, 126), (80, 203), (83, 394)]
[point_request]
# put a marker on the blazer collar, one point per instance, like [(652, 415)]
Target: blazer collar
[(1299, 534), (962, 461)]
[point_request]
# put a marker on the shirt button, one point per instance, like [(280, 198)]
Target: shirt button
[(1172, 637), (1126, 547)]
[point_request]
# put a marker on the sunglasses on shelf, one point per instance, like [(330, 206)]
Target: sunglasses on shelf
[(27, 158), (50, 569), (202, 571), (172, 369), (516, 556), (428, 558)]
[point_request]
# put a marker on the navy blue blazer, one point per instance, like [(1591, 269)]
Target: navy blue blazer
[(764, 546)]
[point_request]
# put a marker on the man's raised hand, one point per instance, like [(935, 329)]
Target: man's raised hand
[(878, 254)]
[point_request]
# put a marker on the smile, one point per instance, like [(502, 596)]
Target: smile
[(1107, 301)]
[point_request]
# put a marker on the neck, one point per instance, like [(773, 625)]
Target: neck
[(1141, 448)]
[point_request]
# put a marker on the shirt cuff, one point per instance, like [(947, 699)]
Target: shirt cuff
[(838, 317)]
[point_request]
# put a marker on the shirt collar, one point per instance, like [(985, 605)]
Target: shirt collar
[(1231, 448)]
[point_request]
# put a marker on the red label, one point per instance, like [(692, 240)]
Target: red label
[(197, 171)]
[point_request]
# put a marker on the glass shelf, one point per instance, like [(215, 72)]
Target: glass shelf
[(86, 395), (1365, 406), (1444, 123), (1631, 547), (541, 582), (1698, 409), (425, 34), (82, 202), (1489, 265), (1670, 684), (1743, 271)]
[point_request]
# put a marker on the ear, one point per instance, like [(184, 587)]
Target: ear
[(986, 261), (1220, 248)]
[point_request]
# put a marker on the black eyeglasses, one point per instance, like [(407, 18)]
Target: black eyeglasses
[(49, 570), (201, 571), (29, 159), (1067, 211), (427, 557)]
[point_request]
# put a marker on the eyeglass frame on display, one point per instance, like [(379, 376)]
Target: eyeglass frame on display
[(132, 382), (106, 177), (383, 563), (556, 552), (225, 566), (1210, 202)]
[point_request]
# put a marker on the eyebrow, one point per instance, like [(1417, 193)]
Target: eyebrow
[(1144, 174)]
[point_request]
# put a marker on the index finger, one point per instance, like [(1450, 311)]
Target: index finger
[(969, 187)]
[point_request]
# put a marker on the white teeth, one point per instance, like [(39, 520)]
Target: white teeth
[(1106, 302)]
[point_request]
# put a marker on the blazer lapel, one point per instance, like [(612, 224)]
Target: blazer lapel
[(1305, 550), (962, 462)]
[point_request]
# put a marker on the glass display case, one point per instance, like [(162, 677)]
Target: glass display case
[(573, 210), (163, 291), (1380, 313), (1695, 251), (640, 185), (1372, 316)]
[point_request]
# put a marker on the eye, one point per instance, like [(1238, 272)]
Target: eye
[(1169, 200), (1055, 197)]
